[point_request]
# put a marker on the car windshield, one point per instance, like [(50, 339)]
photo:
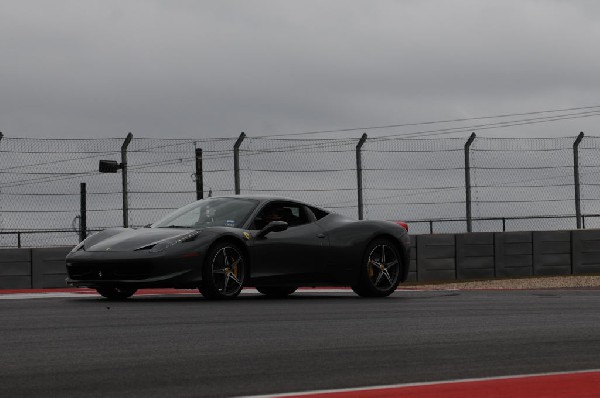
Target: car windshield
[(213, 212)]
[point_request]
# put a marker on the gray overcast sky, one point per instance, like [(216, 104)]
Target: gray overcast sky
[(187, 69)]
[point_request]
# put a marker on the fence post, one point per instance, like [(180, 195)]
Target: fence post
[(236, 162), (124, 175), (468, 181), (359, 181), (82, 211), (1, 136), (199, 177), (576, 174)]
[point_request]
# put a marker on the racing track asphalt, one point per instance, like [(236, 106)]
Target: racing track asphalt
[(183, 345)]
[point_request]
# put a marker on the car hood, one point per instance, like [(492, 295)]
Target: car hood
[(126, 239)]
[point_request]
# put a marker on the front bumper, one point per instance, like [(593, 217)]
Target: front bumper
[(98, 269)]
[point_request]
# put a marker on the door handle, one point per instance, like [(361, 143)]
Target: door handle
[(321, 236)]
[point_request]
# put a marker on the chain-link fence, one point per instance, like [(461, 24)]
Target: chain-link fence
[(516, 184), (408, 179), (521, 178), (316, 171)]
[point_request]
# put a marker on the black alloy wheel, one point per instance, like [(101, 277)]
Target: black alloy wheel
[(224, 272), (380, 271), (116, 293), (276, 291)]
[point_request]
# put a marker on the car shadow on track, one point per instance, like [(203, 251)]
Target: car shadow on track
[(258, 298)]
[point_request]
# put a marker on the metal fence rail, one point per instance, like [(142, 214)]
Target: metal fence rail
[(442, 185)]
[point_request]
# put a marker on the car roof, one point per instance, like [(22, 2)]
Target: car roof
[(268, 198)]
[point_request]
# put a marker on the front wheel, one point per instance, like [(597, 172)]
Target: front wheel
[(276, 291), (380, 270), (223, 272), (116, 293)]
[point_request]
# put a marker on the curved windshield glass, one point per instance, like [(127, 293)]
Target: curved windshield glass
[(213, 212)]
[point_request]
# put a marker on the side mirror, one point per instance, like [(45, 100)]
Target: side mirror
[(109, 166), (273, 226)]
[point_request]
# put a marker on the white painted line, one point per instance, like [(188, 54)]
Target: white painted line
[(27, 296), (431, 383)]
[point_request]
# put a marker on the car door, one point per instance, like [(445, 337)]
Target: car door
[(293, 256)]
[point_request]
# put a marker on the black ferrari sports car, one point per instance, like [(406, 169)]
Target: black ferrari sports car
[(220, 245)]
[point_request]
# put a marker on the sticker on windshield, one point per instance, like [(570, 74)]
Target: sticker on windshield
[(230, 223)]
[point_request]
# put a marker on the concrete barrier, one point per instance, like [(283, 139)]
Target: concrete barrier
[(586, 251), (444, 257), (436, 257), (514, 254), (48, 267), (412, 269), (475, 256), (15, 269), (552, 253)]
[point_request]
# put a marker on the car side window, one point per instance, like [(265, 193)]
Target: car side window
[(293, 214), (318, 213), (309, 214)]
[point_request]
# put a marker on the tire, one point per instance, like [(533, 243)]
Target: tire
[(276, 291), (223, 272), (380, 269), (116, 293)]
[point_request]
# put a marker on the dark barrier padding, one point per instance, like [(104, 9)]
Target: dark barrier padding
[(15, 269), (475, 255), (586, 251), (412, 270), (49, 267), (443, 257), (436, 257), (514, 254), (552, 252)]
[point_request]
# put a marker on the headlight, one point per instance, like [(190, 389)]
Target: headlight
[(166, 243)]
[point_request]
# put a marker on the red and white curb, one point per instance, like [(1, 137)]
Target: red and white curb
[(580, 384)]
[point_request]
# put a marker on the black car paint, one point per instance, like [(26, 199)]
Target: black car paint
[(293, 256), (348, 240), (178, 266), (328, 251)]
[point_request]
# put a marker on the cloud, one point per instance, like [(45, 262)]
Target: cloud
[(215, 68)]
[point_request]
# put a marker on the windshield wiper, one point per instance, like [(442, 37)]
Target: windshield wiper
[(178, 226)]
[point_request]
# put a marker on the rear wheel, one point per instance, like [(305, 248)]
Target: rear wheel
[(223, 272), (276, 291), (380, 270), (116, 293)]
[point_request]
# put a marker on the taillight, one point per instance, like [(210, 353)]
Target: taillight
[(402, 224)]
